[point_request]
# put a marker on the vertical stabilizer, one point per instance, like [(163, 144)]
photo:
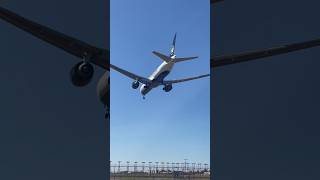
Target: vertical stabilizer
[(172, 53)]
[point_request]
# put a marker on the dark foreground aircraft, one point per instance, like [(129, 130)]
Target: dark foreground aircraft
[(83, 71), (253, 55)]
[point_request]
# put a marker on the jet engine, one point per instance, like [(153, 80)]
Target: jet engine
[(167, 87), (81, 74), (103, 89), (135, 84)]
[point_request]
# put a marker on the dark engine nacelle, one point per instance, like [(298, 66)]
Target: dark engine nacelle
[(81, 74), (103, 89), (135, 84), (167, 87)]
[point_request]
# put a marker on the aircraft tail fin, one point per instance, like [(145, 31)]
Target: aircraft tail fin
[(172, 51), (172, 57)]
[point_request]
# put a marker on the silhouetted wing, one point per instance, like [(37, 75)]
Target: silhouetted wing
[(130, 75), (214, 1), (71, 45), (186, 79), (248, 56)]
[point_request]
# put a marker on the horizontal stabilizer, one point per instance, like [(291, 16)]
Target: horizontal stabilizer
[(162, 56), (184, 59)]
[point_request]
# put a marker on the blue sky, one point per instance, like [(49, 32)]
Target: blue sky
[(170, 126)]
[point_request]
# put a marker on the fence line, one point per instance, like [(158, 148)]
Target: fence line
[(126, 167)]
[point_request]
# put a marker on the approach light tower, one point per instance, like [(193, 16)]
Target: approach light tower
[(185, 165), (172, 166), (199, 167), (128, 162), (193, 167), (143, 166), (119, 162), (157, 167), (162, 166), (206, 167), (150, 164), (187, 168), (135, 166)]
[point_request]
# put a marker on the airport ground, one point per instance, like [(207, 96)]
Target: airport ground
[(158, 178)]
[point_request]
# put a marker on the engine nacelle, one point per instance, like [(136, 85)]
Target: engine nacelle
[(81, 74), (135, 84), (167, 87), (103, 89)]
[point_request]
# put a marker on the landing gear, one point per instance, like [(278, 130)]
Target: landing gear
[(143, 97)]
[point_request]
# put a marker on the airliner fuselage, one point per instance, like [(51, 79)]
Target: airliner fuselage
[(157, 77)]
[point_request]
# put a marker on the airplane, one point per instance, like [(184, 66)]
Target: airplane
[(157, 77), (82, 72), (220, 61)]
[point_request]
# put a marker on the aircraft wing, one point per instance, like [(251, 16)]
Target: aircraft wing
[(130, 75), (186, 79), (214, 1), (248, 56), (71, 45)]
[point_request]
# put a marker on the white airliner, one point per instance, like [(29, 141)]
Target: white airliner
[(157, 77)]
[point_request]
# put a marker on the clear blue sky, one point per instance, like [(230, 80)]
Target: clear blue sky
[(165, 127)]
